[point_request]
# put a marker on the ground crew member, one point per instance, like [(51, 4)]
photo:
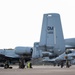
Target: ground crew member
[(67, 62), (62, 64), (29, 65)]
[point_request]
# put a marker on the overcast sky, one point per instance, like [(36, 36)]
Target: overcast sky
[(21, 20)]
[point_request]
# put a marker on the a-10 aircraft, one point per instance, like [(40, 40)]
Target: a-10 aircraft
[(66, 59), (51, 46), (18, 55)]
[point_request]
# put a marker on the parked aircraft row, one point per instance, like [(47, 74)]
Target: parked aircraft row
[(51, 47)]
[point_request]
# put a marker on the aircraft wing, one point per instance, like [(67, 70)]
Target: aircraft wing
[(11, 54)]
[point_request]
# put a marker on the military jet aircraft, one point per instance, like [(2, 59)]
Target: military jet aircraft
[(18, 55), (52, 44), (65, 59)]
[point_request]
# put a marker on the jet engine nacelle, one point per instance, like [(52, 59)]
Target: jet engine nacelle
[(23, 50)]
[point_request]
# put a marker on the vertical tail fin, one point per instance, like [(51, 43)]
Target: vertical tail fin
[(51, 34)]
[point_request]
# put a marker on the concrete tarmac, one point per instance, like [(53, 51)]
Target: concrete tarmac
[(38, 70)]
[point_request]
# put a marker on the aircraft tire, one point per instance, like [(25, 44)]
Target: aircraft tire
[(6, 66)]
